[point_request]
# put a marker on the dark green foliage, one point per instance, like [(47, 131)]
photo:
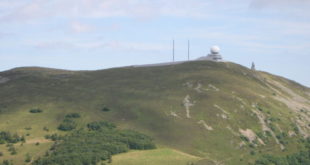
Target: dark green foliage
[(105, 109), (268, 133), (67, 125), (300, 158), (99, 142), (53, 137), (12, 149), (10, 138), (27, 128), (272, 127), (136, 140), (282, 138), (23, 139), (296, 130), (251, 145), (35, 111), (45, 129), (73, 115), (244, 138), (1, 154), (6, 162), (259, 108), (100, 125)]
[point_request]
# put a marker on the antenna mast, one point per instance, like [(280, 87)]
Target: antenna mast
[(188, 46), (173, 51)]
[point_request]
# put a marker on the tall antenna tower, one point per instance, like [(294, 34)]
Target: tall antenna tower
[(188, 46), (173, 51)]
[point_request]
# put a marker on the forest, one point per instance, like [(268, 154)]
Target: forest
[(95, 144)]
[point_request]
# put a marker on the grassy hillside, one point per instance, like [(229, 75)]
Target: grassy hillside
[(154, 157), (221, 112)]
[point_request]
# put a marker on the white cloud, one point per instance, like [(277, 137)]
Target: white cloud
[(278, 3), (292, 8), (78, 27), (114, 45), (142, 9)]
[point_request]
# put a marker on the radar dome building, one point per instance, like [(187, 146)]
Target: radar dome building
[(214, 54)]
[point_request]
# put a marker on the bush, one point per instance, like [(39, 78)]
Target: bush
[(6, 162), (105, 109), (73, 115), (53, 137), (67, 125), (100, 125), (45, 129), (1, 154), (9, 138), (35, 111), (12, 150), (244, 138), (28, 128)]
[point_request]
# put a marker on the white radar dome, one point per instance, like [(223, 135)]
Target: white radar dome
[(215, 49)]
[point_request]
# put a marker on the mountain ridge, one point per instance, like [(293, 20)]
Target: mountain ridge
[(216, 110)]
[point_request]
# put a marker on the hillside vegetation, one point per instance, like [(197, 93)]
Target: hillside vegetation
[(222, 113)]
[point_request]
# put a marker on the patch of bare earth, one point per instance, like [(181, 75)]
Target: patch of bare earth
[(248, 133), (204, 124), (262, 120), (187, 104), (295, 102), (38, 140)]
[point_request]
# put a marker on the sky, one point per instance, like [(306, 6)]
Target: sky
[(99, 34)]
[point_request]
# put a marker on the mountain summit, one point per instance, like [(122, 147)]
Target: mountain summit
[(220, 112)]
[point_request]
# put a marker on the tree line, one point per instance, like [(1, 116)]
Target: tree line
[(97, 143), (300, 158)]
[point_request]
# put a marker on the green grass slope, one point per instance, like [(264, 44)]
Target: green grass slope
[(221, 112), (154, 157)]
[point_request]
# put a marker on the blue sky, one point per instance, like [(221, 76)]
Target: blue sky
[(97, 34)]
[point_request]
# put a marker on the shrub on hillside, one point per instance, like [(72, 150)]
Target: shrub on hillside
[(300, 158), (35, 111), (10, 138), (105, 109), (100, 125), (53, 137), (6, 162), (67, 125), (73, 115)]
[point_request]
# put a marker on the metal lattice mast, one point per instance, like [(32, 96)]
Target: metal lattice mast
[(188, 47), (173, 51)]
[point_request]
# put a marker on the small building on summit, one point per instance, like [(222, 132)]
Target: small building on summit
[(214, 55), (253, 67)]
